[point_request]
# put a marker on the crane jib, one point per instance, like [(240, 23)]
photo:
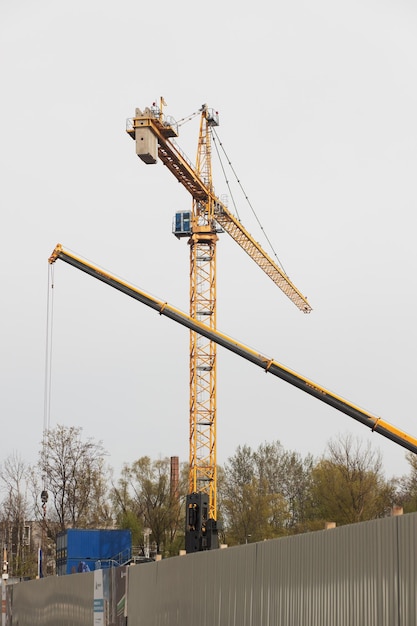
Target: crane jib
[(155, 139), (268, 365)]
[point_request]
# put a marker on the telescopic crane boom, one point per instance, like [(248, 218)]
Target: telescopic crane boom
[(376, 424), (154, 135)]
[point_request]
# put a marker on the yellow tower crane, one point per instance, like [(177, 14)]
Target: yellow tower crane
[(154, 134)]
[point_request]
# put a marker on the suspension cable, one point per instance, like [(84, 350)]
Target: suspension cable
[(183, 120), (214, 137), (225, 178), (48, 367)]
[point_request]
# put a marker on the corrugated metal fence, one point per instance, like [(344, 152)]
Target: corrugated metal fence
[(358, 575)]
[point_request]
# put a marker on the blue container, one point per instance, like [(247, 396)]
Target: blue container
[(80, 550)]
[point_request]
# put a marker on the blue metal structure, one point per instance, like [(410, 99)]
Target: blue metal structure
[(84, 550)]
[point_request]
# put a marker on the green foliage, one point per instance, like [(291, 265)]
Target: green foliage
[(348, 485), (263, 493), (272, 492), (289, 476), (407, 486), (145, 493), (129, 521)]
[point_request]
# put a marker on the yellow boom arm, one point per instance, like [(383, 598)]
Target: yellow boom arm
[(268, 365)]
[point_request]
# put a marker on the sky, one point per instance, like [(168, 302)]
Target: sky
[(317, 106)]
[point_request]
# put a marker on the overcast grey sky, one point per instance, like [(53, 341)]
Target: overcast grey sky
[(317, 105)]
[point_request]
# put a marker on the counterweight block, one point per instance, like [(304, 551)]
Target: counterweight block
[(201, 532)]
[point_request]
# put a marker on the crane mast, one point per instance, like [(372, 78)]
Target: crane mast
[(154, 135), (202, 242)]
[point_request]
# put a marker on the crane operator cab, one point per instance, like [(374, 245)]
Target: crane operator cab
[(181, 224)]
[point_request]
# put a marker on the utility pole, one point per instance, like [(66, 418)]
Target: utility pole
[(42, 563)]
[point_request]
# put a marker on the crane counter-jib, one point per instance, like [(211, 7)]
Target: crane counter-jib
[(268, 365)]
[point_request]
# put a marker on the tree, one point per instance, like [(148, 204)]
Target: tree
[(407, 486), (265, 493), (124, 505), (74, 474), (248, 513), (145, 499), (14, 518), (250, 510), (288, 475), (348, 484)]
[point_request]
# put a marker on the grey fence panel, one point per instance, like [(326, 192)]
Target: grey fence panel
[(54, 601), (407, 569), (338, 576), (362, 575)]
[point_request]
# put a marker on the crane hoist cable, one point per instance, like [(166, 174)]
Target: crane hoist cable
[(47, 384), (48, 351)]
